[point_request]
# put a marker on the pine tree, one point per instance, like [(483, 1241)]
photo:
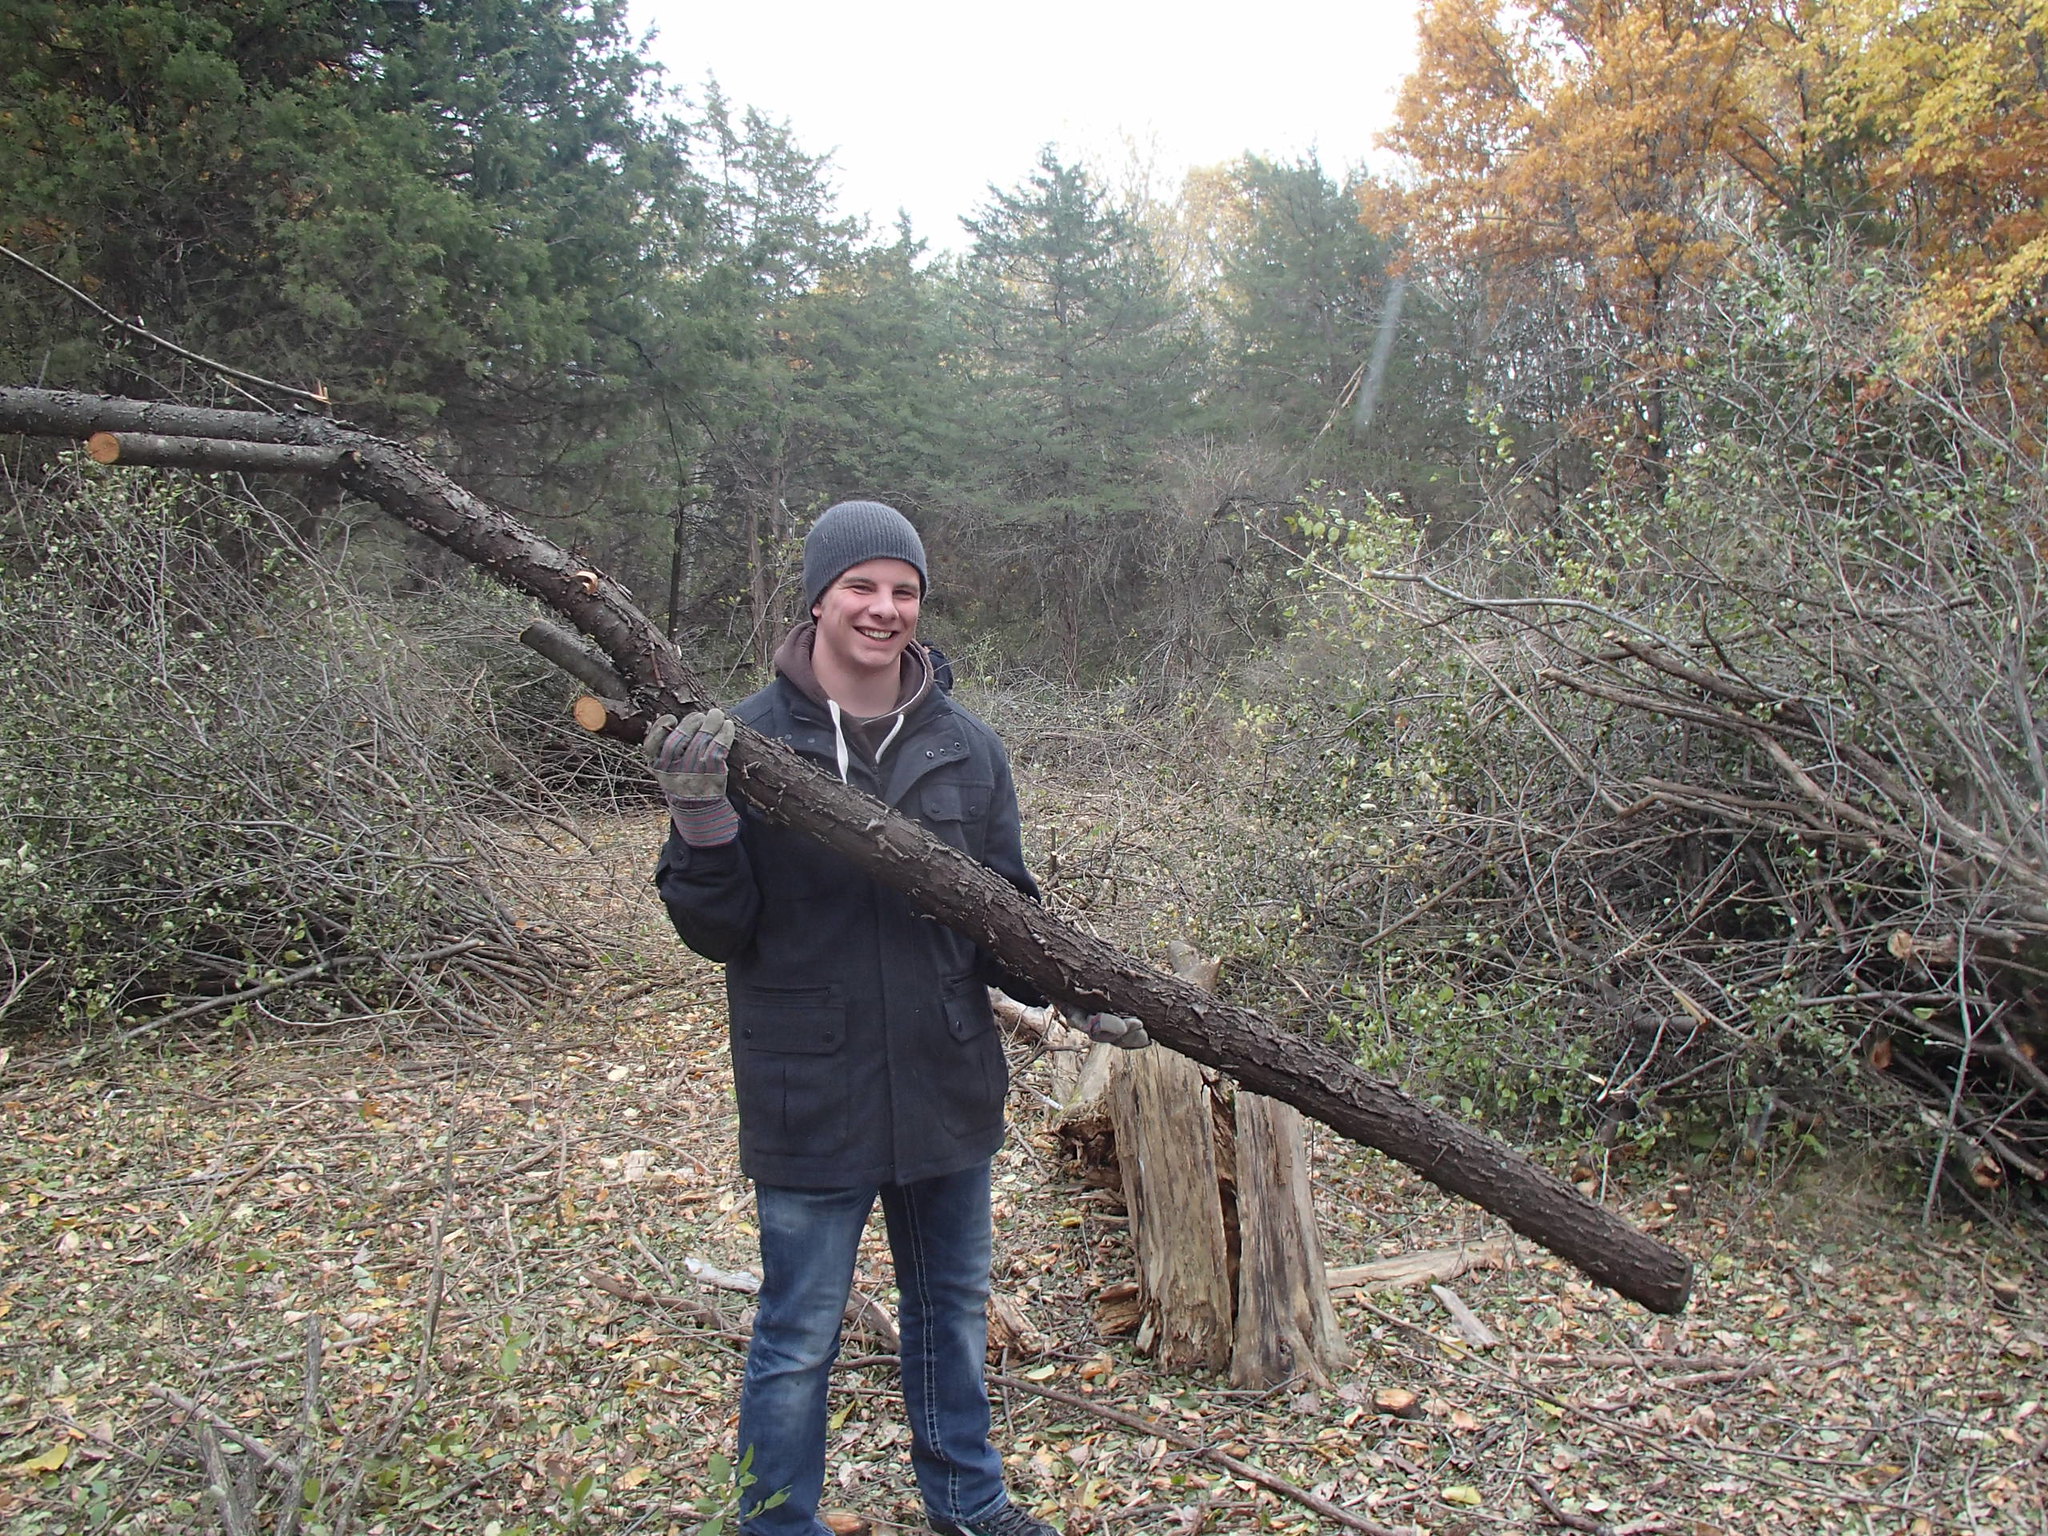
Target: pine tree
[(1084, 367)]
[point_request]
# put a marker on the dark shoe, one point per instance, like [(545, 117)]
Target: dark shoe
[(1008, 1520)]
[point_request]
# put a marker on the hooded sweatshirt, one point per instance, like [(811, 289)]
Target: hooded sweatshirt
[(867, 738)]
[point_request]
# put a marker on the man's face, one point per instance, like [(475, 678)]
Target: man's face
[(867, 616)]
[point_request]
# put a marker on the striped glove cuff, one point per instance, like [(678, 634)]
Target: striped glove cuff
[(704, 823)]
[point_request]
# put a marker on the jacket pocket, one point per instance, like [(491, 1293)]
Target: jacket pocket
[(953, 809), (976, 1077), (793, 1093)]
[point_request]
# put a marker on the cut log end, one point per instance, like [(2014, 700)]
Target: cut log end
[(610, 717)]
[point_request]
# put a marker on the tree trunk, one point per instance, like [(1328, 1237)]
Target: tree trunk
[(760, 642), (676, 543), (1166, 1152), (1065, 962), (1286, 1326)]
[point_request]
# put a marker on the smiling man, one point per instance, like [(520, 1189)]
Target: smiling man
[(865, 1056)]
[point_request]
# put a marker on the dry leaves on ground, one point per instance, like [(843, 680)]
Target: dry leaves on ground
[(490, 1246)]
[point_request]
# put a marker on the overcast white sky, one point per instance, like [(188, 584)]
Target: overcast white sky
[(924, 104)]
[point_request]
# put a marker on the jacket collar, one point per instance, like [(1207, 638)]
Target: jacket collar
[(932, 734), (793, 661)]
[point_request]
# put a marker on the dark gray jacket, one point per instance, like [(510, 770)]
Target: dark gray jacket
[(863, 1047)]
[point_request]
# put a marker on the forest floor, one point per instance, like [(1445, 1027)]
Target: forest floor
[(491, 1242)]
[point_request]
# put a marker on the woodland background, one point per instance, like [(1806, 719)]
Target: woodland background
[(1563, 621), (1594, 571)]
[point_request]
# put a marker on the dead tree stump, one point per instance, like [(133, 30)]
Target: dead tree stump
[(1229, 1263), (1286, 1326), (1165, 1126)]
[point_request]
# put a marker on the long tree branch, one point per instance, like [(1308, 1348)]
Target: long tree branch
[(1065, 962)]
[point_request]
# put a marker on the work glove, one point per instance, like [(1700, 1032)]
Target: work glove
[(1107, 1028), (688, 759)]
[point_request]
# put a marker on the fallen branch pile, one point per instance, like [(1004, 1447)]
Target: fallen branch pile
[(270, 807), (1774, 814)]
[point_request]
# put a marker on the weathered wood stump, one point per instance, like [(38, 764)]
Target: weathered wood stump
[(1166, 1150), (1229, 1262), (1286, 1326)]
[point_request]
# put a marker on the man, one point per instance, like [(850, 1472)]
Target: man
[(865, 1056)]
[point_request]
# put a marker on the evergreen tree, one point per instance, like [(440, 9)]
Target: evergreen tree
[(1326, 346), (461, 214), (1083, 367), (1302, 284), (774, 237), (148, 153)]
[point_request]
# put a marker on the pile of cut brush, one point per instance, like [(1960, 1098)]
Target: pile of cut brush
[(239, 783)]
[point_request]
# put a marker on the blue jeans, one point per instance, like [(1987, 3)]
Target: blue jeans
[(939, 1237)]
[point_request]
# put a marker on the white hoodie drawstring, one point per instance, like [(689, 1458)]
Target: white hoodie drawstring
[(888, 738), (839, 750), (839, 739)]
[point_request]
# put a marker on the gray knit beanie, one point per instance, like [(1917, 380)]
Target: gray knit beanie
[(850, 532)]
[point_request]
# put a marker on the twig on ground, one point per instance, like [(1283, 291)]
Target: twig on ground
[(1563, 1516), (1209, 1453), (220, 1484), (1656, 1443), (639, 1295), (270, 1459), (257, 1362)]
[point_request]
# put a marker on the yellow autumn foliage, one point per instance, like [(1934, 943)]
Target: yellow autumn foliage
[(1627, 143), (1947, 101)]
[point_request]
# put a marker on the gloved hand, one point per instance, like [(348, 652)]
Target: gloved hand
[(1107, 1028), (688, 759)]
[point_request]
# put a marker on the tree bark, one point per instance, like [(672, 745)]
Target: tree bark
[(1065, 962), (1166, 1152), (1285, 1326), (570, 654), (159, 452)]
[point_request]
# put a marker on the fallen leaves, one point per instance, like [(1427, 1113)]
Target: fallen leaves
[(194, 1220), (49, 1461)]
